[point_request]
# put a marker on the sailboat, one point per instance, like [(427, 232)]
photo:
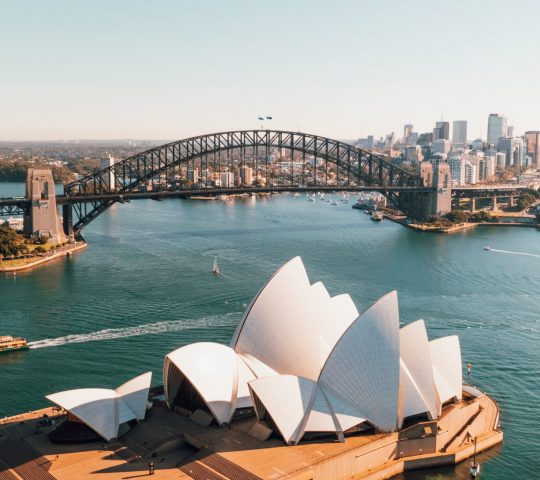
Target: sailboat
[(475, 466), (215, 267)]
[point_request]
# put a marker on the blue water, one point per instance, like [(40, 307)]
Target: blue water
[(144, 287)]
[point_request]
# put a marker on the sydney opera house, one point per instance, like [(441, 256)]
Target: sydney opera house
[(309, 387)]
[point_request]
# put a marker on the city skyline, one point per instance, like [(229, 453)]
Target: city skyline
[(170, 70)]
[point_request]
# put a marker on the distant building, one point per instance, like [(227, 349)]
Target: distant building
[(193, 175), (413, 154), (441, 146), (459, 133), (514, 150), (457, 169), (470, 172), (441, 131), (246, 175), (409, 137), (478, 144), (366, 143), (486, 167), (425, 139), (407, 130), (510, 131), (108, 176), (532, 141), (227, 179), (496, 128), (500, 161)]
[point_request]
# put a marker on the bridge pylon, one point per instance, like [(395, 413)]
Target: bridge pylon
[(439, 201), (42, 219)]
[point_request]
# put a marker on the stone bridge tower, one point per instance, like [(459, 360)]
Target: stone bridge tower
[(43, 219)]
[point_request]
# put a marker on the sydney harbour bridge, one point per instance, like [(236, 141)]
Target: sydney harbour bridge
[(262, 161)]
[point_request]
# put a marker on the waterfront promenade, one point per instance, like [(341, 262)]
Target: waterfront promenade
[(14, 266), (180, 448)]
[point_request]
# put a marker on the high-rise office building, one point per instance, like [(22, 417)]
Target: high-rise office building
[(193, 175), (457, 169), (470, 172), (500, 161), (246, 175), (407, 130), (513, 149), (441, 146), (459, 133), (532, 140), (227, 179), (109, 177), (496, 128), (441, 131)]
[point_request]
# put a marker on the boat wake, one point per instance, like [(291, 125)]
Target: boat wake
[(146, 329), (516, 253)]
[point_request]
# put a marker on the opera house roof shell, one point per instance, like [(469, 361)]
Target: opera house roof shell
[(104, 410), (310, 362)]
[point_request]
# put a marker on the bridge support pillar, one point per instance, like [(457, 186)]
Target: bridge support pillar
[(43, 219), (473, 205), (67, 219), (512, 201), (438, 202), (494, 203)]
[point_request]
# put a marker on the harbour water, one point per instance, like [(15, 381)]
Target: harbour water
[(144, 286)]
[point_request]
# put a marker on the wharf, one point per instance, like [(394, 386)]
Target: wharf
[(182, 449)]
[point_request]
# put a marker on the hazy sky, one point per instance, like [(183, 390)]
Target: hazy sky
[(171, 69)]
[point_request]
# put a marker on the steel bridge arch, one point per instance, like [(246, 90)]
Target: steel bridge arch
[(361, 167)]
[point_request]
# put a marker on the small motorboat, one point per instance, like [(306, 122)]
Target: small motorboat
[(215, 268), (487, 248), (377, 216)]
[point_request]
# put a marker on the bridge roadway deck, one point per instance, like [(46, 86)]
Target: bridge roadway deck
[(464, 192), (119, 197)]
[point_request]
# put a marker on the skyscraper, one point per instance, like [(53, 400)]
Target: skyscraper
[(441, 131), (532, 140), (496, 128), (407, 131), (513, 148), (459, 133)]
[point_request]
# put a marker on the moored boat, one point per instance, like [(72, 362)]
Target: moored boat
[(12, 344)]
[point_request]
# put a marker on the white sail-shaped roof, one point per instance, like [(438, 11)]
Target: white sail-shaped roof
[(289, 307), (315, 364), (104, 410), (447, 368), (418, 386), (287, 415), (299, 405), (134, 394), (212, 369), (363, 368)]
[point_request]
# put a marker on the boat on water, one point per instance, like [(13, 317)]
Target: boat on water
[(333, 202), (487, 248), (311, 199), (12, 344), (377, 216), (215, 267)]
